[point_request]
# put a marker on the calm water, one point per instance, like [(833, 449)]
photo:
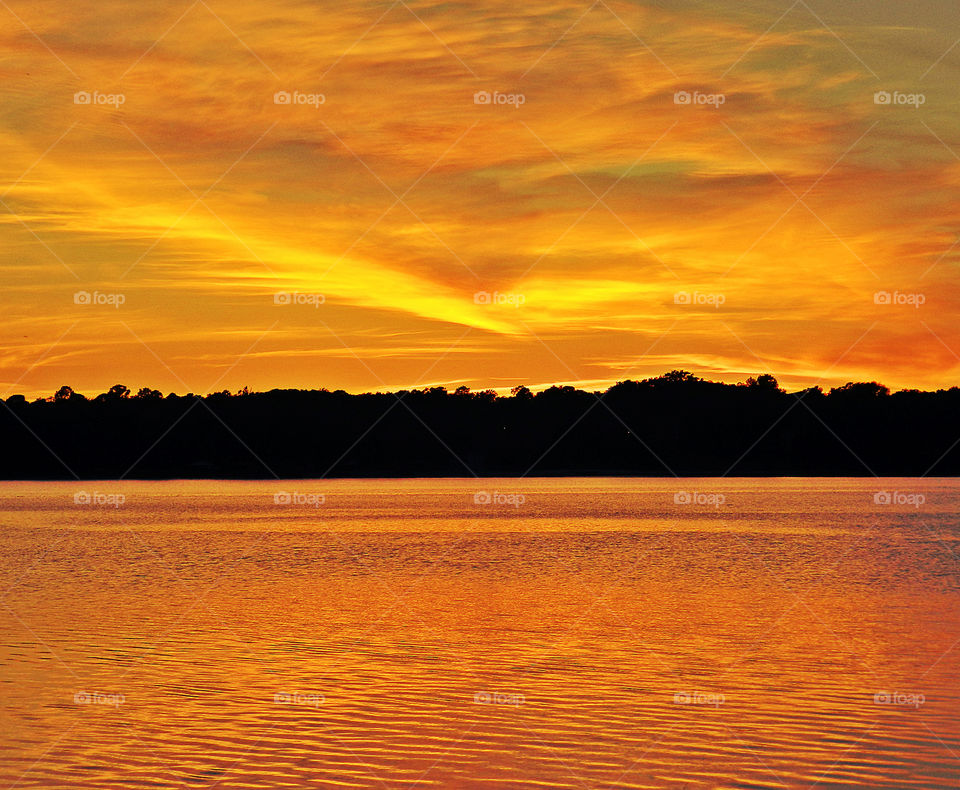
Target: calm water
[(398, 634)]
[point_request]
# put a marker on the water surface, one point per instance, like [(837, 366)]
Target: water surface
[(600, 633)]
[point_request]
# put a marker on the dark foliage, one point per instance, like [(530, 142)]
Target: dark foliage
[(674, 424)]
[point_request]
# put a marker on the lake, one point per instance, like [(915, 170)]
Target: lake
[(461, 633)]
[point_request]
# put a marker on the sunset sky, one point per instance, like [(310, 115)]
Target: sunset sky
[(593, 201)]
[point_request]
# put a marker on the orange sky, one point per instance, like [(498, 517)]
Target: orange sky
[(591, 205)]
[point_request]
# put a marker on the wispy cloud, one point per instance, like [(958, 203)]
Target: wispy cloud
[(530, 173)]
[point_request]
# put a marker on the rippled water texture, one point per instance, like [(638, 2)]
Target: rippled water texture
[(400, 634)]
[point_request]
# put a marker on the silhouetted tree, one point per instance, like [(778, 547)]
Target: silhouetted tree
[(764, 382), (116, 392), (862, 390), (677, 377)]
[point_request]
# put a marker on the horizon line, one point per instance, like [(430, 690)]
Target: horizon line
[(500, 392)]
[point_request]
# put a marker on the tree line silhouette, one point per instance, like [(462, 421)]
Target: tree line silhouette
[(673, 424)]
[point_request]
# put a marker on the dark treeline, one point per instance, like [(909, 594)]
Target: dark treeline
[(673, 424)]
